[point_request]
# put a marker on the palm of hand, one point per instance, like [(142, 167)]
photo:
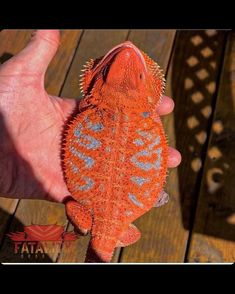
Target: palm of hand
[(31, 124)]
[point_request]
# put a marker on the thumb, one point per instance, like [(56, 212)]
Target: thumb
[(36, 56)]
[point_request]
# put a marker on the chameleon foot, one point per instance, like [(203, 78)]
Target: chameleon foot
[(79, 216), (130, 236)]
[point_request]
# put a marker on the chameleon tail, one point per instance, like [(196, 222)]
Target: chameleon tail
[(104, 239), (101, 246), (97, 253)]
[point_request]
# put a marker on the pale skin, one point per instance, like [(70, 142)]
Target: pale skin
[(31, 122)]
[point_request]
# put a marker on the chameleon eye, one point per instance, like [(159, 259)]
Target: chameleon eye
[(142, 78)]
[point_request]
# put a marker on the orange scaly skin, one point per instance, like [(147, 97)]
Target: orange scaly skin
[(115, 151)]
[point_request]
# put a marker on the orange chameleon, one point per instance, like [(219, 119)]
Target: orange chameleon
[(114, 150)]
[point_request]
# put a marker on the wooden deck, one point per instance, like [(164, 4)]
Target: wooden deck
[(198, 223)]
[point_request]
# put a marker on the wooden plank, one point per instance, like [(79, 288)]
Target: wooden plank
[(213, 238), (94, 43), (158, 45), (165, 230), (41, 212), (13, 41), (59, 66)]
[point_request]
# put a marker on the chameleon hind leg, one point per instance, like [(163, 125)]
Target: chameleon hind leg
[(130, 236), (79, 216)]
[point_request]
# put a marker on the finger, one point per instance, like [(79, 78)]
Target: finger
[(174, 158), (37, 55), (166, 106)]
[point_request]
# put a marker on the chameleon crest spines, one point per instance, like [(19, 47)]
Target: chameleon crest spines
[(115, 151)]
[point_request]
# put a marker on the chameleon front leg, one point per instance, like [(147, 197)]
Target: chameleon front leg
[(79, 216)]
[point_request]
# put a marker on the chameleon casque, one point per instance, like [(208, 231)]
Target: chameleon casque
[(115, 150)]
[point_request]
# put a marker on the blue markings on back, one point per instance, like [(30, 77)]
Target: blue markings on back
[(138, 142), (139, 180), (147, 165), (89, 162), (147, 152), (88, 181), (96, 127), (74, 168), (89, 142), (88, 185), (145, 114), (134, 200), (145, 134), (92, 142), (156, 142)]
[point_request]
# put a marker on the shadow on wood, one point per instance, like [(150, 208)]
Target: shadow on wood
[(198, 58)]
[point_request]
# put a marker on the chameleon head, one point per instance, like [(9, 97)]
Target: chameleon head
[(126, 76)]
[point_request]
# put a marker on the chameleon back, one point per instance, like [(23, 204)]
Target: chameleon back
[(115, 163)]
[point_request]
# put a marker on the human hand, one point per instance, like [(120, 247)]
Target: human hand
[(31, 122)]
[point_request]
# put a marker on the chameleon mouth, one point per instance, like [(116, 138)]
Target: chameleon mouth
[(104, 63)]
